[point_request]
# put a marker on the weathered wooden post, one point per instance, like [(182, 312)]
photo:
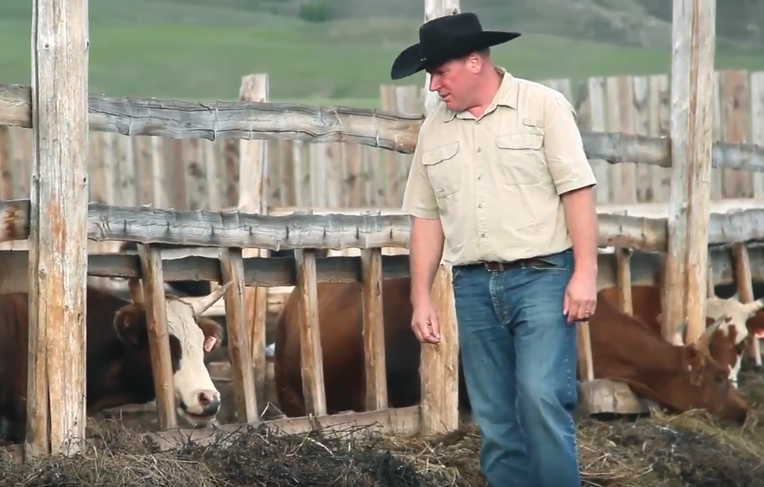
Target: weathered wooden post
[(58, 228), (692, 87), (253, 198), (440, 386)]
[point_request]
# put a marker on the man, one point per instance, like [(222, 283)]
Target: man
[(500, 177)]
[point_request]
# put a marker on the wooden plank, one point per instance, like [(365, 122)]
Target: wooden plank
[(692, 72), (617, 227), (602, 396), (232, 271), (640, 108), (280, 273), (159, 342), (735, 102), (592, 115), (58, 228), (659, 117), (195, 175), (312, 363), (253, 198), (623, 274), (439, 367), (144, 186), (215, 120), (620, 119), (716, 173), (374, 330), (757, 125)]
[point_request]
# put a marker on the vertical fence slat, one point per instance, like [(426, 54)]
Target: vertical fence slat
[(153, 296), (735, 101), (232, 273), (373, 329), (311, 356), (659, 126), (439, 367), (253, 198)]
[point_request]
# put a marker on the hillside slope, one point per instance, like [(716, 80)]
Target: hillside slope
[(187, 49)]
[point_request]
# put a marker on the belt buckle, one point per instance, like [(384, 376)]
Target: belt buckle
[(495, 266)]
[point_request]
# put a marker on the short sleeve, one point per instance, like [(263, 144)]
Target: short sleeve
[(419, 198), (564, 147)]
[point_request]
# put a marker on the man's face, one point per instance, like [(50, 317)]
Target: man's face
[(454, 81)]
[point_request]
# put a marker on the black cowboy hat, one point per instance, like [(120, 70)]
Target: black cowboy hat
[(446, 38)]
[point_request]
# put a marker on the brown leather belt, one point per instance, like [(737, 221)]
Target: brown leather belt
[(503, 266)]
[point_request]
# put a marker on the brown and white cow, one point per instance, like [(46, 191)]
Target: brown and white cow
[(679, 377), (718, 342), (741, 317), (118, 363)]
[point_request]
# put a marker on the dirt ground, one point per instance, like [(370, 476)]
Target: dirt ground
[(688, 450)]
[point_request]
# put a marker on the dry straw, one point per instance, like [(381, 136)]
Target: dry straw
[(691, 449)]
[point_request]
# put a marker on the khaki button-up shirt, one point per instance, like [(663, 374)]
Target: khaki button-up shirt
[(495, 182)]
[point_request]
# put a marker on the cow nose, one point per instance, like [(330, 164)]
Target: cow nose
[(209, 402)]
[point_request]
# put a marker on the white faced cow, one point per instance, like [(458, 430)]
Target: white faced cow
[(191, 336), (738, 314)]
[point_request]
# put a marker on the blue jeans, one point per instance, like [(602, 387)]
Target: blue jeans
[(519, 358)]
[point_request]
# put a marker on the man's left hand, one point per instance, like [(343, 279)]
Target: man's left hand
[(580, 296)]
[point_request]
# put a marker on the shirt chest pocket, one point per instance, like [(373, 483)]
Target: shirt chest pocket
[(443, 170), (520, 158)]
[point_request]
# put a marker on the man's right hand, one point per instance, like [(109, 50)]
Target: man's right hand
[(424, 322)]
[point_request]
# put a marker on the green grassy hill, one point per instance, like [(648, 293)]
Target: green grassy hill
[(187, 49)]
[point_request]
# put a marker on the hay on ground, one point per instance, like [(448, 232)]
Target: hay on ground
[(691, 449)]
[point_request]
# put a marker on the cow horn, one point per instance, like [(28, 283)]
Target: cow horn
[(201, 304), (136, 290), (754, 306), (705, 338)]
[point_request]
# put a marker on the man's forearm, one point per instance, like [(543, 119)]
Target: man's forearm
[(581, 217), (425, 252)]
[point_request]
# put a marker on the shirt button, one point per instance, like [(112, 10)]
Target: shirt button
[(479, 150), (480, 176), (482, 234), (480, 205)]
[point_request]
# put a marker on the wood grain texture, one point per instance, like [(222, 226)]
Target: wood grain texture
[(57, 217), (689, 228), (213, 120), (643, 227)]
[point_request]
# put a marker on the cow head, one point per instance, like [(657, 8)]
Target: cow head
[(190, 336), (738, 315), (738, 312), (724, 346), (708, 385)]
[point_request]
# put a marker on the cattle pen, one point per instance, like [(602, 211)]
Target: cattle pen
[(695, 241)]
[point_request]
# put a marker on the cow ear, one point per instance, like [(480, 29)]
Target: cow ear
[(213, 333), (130, 325)]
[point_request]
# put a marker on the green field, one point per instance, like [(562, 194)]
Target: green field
[(172, 50)]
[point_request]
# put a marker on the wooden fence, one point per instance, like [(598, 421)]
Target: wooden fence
[(195, 173)]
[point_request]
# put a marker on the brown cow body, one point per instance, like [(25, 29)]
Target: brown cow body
[(631, 349), (340, 315), (728, 343), (118, 360), (681, 377)]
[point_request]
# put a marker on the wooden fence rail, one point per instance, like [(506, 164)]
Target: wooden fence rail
[(364, 173)]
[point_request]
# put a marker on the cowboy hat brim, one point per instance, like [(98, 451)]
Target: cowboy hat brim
[(413, 59)]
